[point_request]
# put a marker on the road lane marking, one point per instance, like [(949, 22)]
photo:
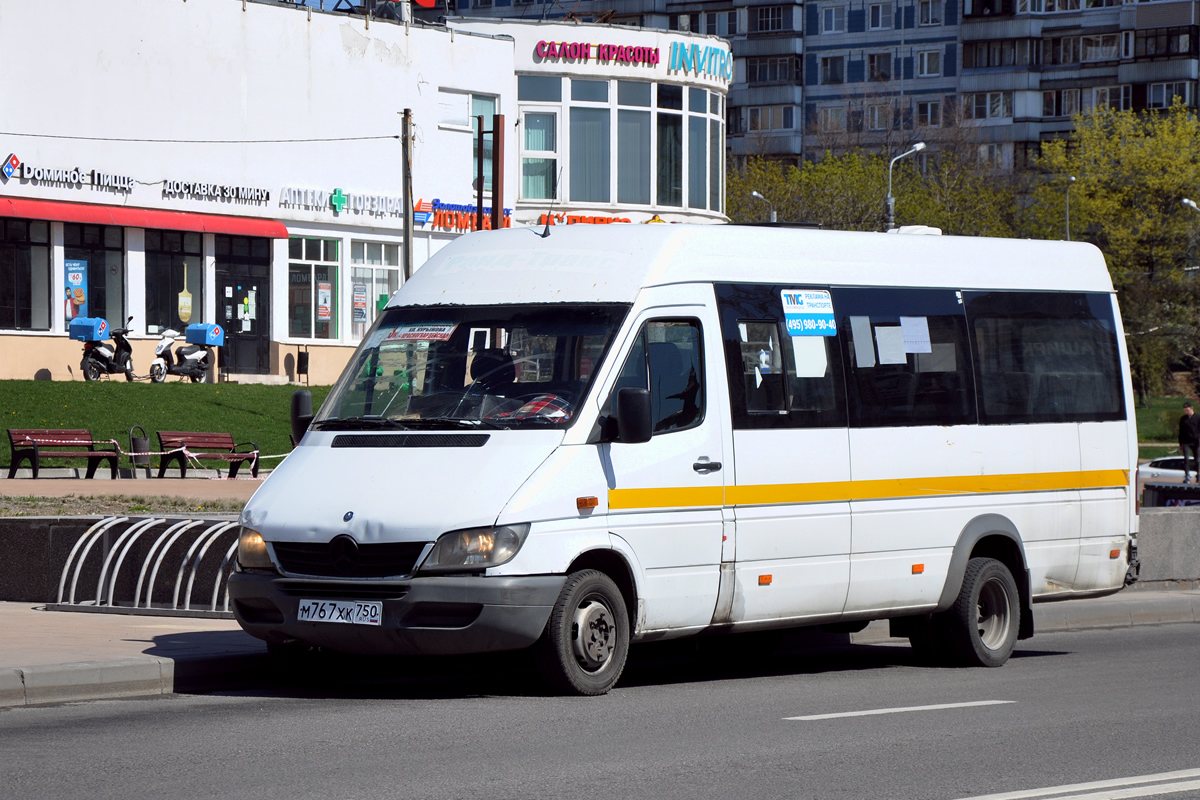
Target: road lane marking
[(877, 711), (1120, 788)]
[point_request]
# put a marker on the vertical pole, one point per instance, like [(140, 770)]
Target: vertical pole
[(479, 173), (497, 172), (406, 178)]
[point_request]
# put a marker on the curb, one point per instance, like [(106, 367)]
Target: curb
[(126, 677)]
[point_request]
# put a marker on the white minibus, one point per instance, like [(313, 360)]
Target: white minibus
[(612, 434)]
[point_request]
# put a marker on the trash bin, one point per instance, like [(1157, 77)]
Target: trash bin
[(139, 444)]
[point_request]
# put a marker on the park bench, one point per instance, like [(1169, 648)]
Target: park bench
[(203, 447), (30, 444)]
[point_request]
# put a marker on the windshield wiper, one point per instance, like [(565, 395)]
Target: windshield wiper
[(358, 423), (456, 421)]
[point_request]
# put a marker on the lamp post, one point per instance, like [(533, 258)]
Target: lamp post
[(1070, 182), (1192, 205), (889, 205), (768, 202)]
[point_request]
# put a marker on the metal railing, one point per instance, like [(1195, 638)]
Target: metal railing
[(117, 546)]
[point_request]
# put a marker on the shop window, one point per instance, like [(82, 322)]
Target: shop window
[(633, 142), (539, 88), (670, 159), (174, 280), (374, 277), (312, 288), (539, 156), (697, 162), (25, 282), (716, 175), (485, 106), (590, 154), (97, 254)]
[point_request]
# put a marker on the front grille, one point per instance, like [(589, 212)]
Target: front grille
[(326, 560), (411, 440), (342, 591)]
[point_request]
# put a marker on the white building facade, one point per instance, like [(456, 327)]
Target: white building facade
[(240, 163)]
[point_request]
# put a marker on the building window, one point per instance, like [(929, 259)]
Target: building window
[(1118, 98), (670, 146), (833, 69), (929, 114), (590, 153), (25, 276), (539, 156), (770, 118), (1105, 47), (995, 155), (374, 277), (777, 69), (98, 251), (1159, 42), (929, 64), (1061, 103), (720, 23), (174, 280), (879, 66), (1061, 50), (879, 16), (831, 119), (769, 18), (987, 105), (1004, 53), (833, 19), (930, 12), (633, 142), (878, 117), (312, 288), (485, 106), (1162, 95)]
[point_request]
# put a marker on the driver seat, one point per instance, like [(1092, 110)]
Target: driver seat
[(493, 371)]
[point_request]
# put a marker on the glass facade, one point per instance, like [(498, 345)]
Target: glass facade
[(313, 288), (25, 275), (174, 280), (98, 251)]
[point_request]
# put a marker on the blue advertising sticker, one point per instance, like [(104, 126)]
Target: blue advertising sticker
[(76, 301), (808, 312)]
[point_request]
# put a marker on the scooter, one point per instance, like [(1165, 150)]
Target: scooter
[(101, 357), (191, 360)]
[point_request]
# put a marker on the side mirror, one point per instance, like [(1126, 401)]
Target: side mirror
[(301, 414), (635, 420)]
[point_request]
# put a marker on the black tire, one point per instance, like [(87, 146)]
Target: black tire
[(158, 373), (90, 369), (981, 628), (128, 368), (194, 378), (586, 641)]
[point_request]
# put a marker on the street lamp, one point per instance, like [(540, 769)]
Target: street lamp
[(1192, 205), (1070, 181), (889, 205), (768, 202)]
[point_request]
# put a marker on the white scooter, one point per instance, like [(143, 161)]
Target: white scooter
[(191, 360)]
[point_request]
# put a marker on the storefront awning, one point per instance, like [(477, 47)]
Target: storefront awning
[(140, 217)]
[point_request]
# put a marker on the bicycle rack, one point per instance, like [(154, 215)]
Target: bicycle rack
[(118, 539)]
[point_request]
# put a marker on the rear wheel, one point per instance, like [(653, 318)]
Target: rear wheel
[(981, 627), (158, 373), (586, 641), (91, 370)]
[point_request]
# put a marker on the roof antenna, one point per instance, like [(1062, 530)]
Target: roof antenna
[(553, 195)]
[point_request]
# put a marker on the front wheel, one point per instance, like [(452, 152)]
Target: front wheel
[(127, 365), (194, 378), (91, 369), (983, 623), (586, 641), (158, 373)]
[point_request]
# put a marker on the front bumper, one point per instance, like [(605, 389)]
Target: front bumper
[(429, 616)]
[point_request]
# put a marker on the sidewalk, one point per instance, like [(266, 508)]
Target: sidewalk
[(192, 488), (55, 657)]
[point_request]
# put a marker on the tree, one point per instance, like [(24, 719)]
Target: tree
[(1131, 170)]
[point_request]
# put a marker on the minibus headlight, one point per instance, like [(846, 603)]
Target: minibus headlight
[(475, 548), (252, 550)]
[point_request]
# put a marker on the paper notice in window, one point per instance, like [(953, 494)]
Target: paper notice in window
[(916, 334), (864, 348), (890, 340)]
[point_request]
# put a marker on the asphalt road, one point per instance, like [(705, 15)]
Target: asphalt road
[(717, 721)]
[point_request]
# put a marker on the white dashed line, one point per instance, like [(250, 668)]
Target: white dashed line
[(877, 711), (1117, 789)]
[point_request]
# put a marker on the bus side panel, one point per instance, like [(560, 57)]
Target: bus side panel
[(1106, 512), (920, 486)]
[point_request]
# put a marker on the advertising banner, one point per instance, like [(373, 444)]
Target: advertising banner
[(76, 301)]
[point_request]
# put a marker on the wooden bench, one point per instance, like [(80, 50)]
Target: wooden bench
[(205, 446), (30, 444)]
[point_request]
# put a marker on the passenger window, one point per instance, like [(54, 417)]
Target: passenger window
[(1045, 357), (907, 357), (666, 359), (777, 380)]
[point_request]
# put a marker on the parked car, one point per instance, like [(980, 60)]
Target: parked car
[(1167, 468)]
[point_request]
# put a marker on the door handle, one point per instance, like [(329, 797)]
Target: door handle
[(706, 466)]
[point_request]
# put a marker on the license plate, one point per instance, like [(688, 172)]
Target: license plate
[(352, 613)]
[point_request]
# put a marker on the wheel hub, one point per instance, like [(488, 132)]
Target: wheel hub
[(993, 615), (595, 635)]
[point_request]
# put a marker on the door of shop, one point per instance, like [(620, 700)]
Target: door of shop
[(243, 304)]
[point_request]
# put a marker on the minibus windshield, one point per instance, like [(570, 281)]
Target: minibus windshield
[(461, 367)]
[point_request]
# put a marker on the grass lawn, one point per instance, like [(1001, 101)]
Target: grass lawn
[(251, 413)]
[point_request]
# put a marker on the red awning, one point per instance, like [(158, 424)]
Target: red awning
[(140, 217)]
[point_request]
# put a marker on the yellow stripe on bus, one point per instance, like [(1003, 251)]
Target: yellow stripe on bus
[(834, 491)]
